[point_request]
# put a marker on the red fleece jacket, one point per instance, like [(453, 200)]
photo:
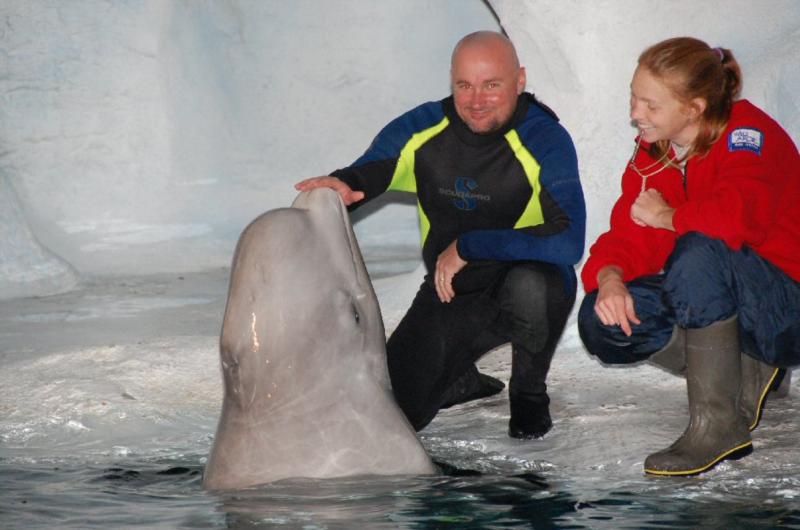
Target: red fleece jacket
[(745, 191)]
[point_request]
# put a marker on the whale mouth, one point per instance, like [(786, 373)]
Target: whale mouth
[(352, 244), (325, 197)]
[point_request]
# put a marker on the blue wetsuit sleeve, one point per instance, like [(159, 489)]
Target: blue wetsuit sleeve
[(373, 171), (560, 238)]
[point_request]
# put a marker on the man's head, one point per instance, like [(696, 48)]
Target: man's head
[(486, 79)]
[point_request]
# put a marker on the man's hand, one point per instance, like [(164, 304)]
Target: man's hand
[(614, 304), (345, 192), (447, 265), (650, 209)]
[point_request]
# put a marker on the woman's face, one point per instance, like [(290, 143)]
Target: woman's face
[(658, 114)]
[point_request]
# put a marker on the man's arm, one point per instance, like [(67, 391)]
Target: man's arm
[(559, 237), (385, 164)]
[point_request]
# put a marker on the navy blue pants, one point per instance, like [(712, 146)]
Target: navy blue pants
[(525, 303), (703, 282)]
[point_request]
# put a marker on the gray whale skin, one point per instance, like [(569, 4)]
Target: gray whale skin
[(306, 386)]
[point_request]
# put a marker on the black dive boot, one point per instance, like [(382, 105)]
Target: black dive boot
[(529, 402), (717, 429), (530, 416), (758, 379), (471, 385), (672, 357)]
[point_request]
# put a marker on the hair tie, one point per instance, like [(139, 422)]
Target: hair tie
[(719, 53)]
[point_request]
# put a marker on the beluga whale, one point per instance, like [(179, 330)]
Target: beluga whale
[(306, 384)]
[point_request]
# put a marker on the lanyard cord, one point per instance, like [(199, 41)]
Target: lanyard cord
[(665, 162)]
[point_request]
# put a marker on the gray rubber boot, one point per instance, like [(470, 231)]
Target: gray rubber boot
[(672, 357), (717, 430), (758, 379)]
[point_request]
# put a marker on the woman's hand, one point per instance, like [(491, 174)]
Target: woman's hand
[(614, 305), (650, 209)]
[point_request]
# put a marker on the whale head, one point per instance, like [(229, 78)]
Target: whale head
[(302, 348)]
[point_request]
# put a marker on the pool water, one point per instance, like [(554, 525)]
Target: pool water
[(109, 397), (168, 494)]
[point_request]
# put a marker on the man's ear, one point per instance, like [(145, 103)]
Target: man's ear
[(521, 80)]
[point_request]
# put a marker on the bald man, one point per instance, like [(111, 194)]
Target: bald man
[(502, 217)]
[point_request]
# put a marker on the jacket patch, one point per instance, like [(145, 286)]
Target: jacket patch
[(746, 139)]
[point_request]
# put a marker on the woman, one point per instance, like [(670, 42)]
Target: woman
[(699, 271)]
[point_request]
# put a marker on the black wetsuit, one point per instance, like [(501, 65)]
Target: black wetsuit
[(513, 201)]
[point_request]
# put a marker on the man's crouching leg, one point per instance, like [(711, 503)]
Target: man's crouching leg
[(535, 305), (416, 359), (431, 355), (529, 403)]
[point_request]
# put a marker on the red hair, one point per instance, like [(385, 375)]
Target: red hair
[(691, 69)]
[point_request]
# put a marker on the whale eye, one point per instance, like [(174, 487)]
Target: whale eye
[(356, 316)]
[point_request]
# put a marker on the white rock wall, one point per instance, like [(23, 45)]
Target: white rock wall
[(141, 136)]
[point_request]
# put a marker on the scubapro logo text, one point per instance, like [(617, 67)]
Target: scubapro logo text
[(463, 195)]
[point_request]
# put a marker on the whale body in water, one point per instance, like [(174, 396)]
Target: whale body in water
[(306, 385)]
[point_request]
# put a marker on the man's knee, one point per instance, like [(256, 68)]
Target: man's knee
[(532, 303), (523, 282), (532, 291)]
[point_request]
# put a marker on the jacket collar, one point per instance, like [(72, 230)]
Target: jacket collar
[(468, 137)]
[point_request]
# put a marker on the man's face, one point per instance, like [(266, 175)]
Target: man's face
[(486, 82)]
